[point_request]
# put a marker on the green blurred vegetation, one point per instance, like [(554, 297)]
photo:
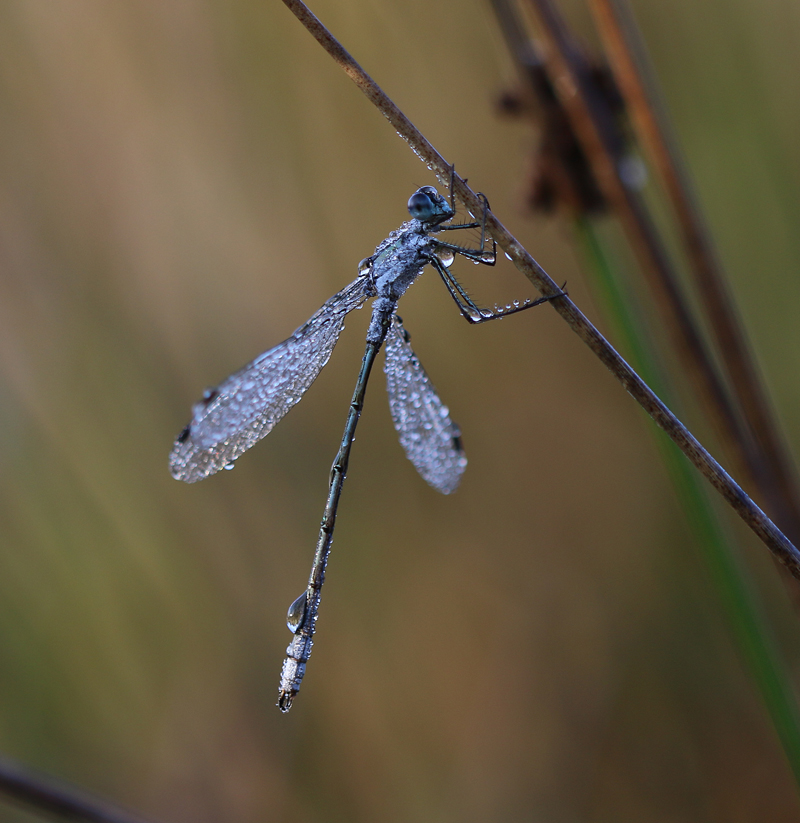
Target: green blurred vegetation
[(181, 185)]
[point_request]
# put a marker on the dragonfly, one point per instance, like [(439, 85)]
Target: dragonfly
[(235, 415)]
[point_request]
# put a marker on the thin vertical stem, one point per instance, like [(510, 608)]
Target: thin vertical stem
[(594, 126), (628, 62), (739, 601)]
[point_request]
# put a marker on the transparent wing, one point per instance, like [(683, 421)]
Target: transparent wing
[(431, 440), (244, 408)]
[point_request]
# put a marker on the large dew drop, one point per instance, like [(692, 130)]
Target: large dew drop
[(446, 256), (296, 613)]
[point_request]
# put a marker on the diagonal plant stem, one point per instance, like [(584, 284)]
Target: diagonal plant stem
[(752, 515), (57, 799), (622, 40)]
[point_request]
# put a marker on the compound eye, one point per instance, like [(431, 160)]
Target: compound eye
[(421, 206)]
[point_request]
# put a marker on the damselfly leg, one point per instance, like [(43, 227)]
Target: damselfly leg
[(444, 256)]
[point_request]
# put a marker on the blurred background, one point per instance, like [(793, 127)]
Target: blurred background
[(181, 185)]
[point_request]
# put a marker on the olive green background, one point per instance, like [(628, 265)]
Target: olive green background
[(181, 185)]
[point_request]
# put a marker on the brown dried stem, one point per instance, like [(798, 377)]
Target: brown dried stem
[(594, 126), (626, 55), (766, 530)]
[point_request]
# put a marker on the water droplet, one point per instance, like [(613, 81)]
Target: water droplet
[(229, 466), (446, 256), (632, 171), (364, 266), (296, 613), (509, 257)]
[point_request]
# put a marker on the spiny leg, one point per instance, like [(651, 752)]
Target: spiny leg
[(468, 308), (474, 313)]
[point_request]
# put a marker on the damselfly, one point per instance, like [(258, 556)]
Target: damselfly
[(232, 417)]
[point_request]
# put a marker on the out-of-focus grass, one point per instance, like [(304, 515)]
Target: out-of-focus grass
[(715, 543), (181, 185)]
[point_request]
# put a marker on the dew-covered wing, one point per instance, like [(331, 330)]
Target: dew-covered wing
[(244, 408), (431, 440)]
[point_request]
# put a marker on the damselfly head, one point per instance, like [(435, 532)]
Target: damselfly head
[(428, 206)]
